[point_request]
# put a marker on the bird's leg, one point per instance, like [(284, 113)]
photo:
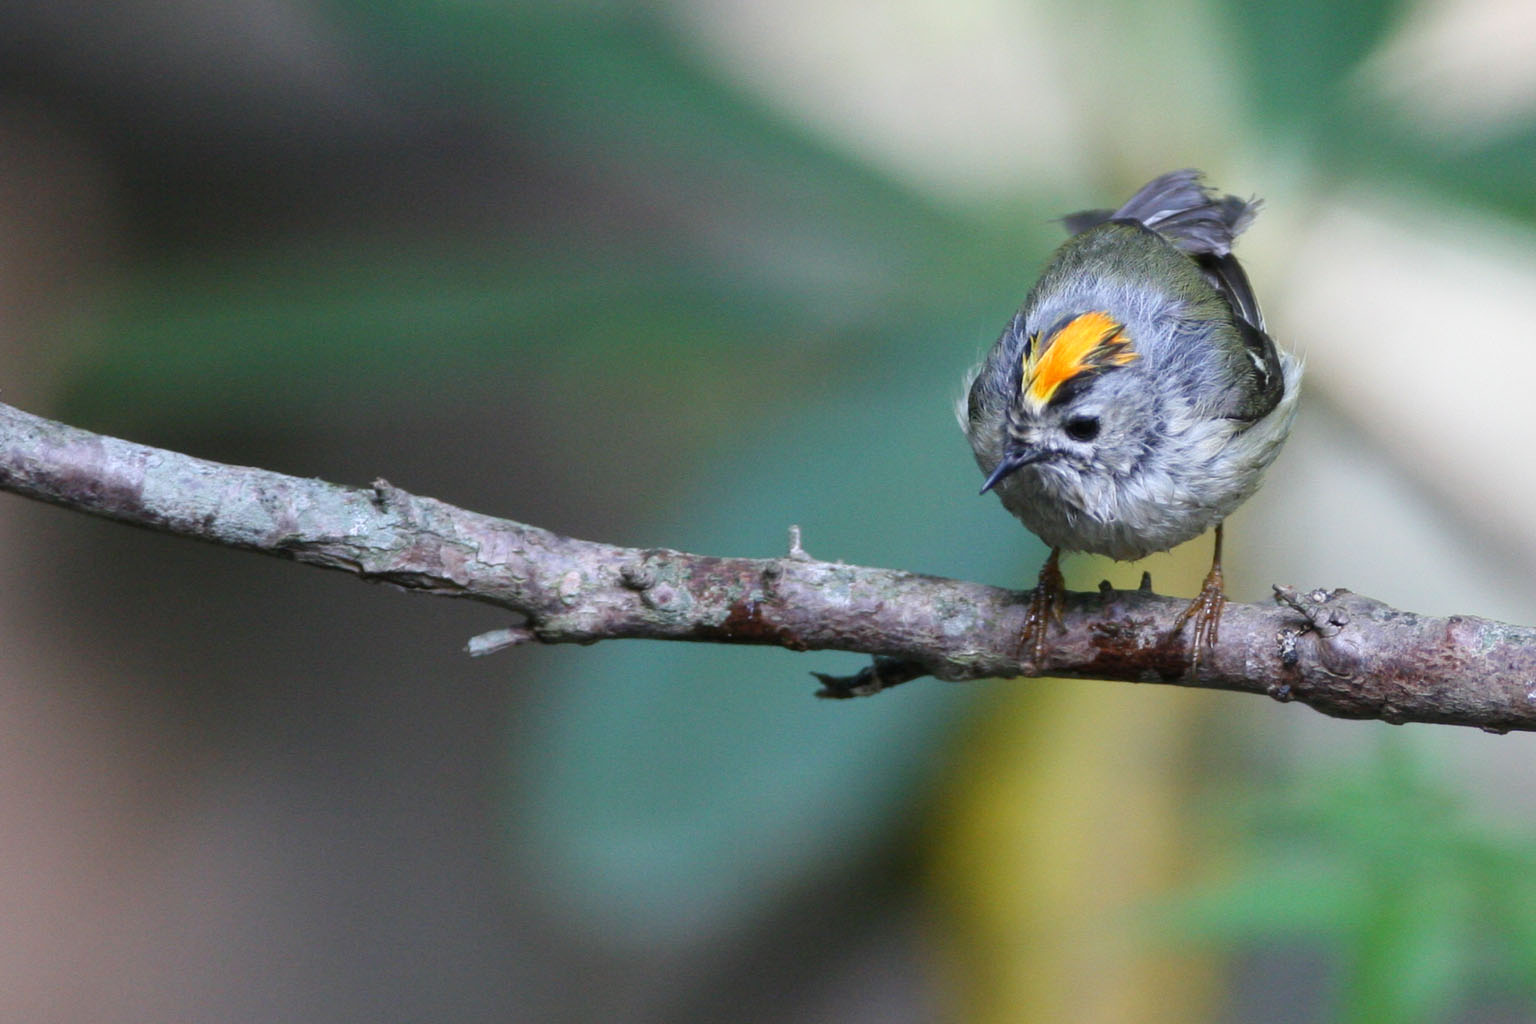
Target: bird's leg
[(1205, 609), (1045, 603)]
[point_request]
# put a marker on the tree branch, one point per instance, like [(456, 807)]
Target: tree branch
[(1343, 654)]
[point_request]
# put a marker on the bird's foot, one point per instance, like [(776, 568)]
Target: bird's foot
[(1205, 610), (1045, 603)]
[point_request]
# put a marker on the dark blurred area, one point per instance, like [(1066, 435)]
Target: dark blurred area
[(237, 124), (684, 275)]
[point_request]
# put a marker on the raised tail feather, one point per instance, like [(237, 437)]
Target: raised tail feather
[(1177, 206)]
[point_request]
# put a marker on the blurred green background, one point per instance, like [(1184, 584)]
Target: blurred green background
[(684, 275)]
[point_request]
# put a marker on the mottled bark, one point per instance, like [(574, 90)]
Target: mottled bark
[(1343, 654)]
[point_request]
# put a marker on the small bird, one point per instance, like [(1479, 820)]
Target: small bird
[(1135, 399)]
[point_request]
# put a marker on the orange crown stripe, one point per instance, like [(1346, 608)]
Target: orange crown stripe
[(1092, 341)]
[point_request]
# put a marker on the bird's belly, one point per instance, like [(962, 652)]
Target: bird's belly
[(1124, 520)]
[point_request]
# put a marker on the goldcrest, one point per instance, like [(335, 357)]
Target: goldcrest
[(1135, 399)]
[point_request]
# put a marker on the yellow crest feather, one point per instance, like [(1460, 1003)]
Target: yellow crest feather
[(1089, 342)]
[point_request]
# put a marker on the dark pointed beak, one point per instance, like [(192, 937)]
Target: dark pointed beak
[(1011, 463)]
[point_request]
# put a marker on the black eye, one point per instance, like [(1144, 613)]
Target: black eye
[(1083, 428)]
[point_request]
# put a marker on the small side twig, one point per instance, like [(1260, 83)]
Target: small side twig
[(881, 674)]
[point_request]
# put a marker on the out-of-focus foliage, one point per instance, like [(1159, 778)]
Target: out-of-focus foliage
[(705, 319), (764, 240), (1299, 57), (1424, 906)]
